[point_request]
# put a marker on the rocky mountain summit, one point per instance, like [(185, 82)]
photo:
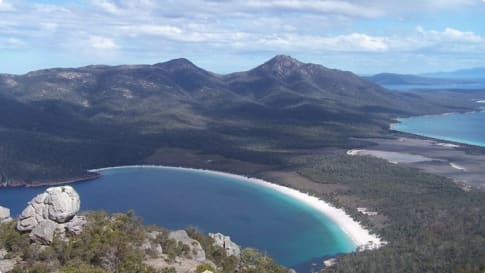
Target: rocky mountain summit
[(53, 211)]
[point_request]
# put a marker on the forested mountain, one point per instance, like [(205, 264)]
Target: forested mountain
[(57, 123)]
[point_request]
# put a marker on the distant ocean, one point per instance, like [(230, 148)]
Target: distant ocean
[(254, 216), (480, 84), (468, 128)]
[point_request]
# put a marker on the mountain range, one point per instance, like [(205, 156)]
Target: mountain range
[(57, 123), (469, 73)]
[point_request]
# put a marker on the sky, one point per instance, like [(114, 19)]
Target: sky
[(363, 36)]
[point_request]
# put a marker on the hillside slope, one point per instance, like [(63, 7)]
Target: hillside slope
[(57, 123)]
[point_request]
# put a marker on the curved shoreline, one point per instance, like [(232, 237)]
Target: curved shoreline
[(440, 138), (90, 177), (399, 121), (360, 236)]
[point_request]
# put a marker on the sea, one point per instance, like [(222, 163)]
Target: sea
[(478, 84), (467, 128), (293, 233)]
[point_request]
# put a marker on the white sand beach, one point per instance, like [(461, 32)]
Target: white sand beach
[(360, 236), (458, 167), (447, 145)]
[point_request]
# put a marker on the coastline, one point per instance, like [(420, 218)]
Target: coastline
[(361, 237), (457, 167), (399, 120), (89, 177), (454, 141)]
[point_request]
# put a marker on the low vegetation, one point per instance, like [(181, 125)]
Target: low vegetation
[(113, 243)]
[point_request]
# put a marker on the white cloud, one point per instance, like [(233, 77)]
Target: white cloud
[(156, 30), (205, 27), (354, 42), (364, 42), (449, 39), (456, 35), (413, 7), (12, 43), (106, 6), (241, 25), (99, 42), (339, 7), (50, 27), (5, 6)]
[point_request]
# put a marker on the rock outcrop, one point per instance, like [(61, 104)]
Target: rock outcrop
[(186, 263), (62, 203), (226, 243), (52, 211), (6, 265), (196, 249), (44, 232), (4, 215), (75, 226)]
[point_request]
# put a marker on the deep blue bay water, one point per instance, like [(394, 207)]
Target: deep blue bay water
[(254, 216), (468, 128)]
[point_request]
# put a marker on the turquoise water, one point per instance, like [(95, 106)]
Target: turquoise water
[(468, 128), (477, 84), (254, 216), (405, 87)]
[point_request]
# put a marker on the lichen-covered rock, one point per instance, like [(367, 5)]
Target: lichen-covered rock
[(196, 250), (226, 243), (4, 214), (62, 203), (53, 211), (28, 219), (44, 232), (59, 204), (76, 225)]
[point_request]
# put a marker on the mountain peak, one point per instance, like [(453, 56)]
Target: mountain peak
[(178, 64), (284, 60), (281, 66)]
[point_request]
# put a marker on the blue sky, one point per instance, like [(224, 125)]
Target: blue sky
[(364, 36)]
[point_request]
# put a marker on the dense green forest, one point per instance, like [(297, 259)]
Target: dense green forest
[(431, 224)]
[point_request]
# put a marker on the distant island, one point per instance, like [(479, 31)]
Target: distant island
[(470, 73)]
